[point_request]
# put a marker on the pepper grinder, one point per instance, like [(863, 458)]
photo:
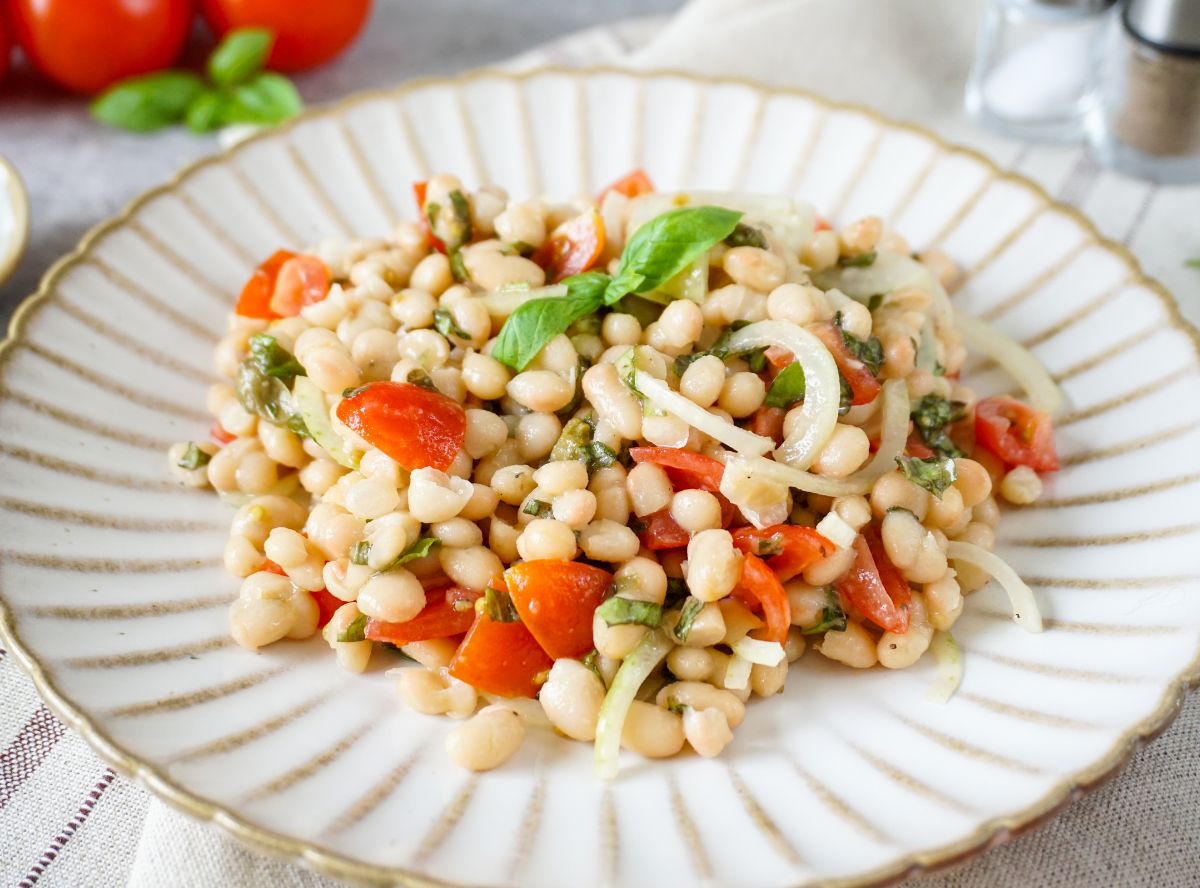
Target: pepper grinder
[(1147, 122), (1036, 64)]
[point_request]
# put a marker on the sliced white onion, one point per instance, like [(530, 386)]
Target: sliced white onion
[(1016, 360), (887, 274), (822, 387), (835, 529), (948, 657), (503, 302), (762, 653), (789, 222), (741, 440), (737, 673), (635, 669), (762, 501), (1025, 609)]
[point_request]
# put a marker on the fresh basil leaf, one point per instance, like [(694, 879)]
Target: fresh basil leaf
[(600, 455), (618, 611), (744, 235), (935, 474), (538, 508), (359, 552), (147, 103), (499, 606), (266, 98), (445, 324), (419, 549), (847, 396), (240, 55), (931, 415), (205, 111), (666, 245), (267, 397), (194, 458), (869, 351), (787, 389), (458, 267), (591, 661), (273, 359), (687, 616), (356, 631), (863, 260), (833, 618), (536, 322)]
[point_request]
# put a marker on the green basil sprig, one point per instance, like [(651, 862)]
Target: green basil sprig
[(935, 474)]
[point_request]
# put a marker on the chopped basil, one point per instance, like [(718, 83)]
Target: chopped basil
[(744, 235), (687, 616), (418, 377), (273, 359), (874, 302), (677, 590), (847, 396), (618, 611), (267, 397), (788, 387), (359, 552), (676, 707), (194, 458), (577, 398), (869, 351), (863, 260), (833, 618), (499, 606), (518, 248), (537, 508), (450, 224), (600, 455), (458, 268), (419, 549), (445, 324), (931, 415), (356, 631), (638, 526), (755, 358), (938, 369), (591, 661), (934, 474), (573, 440), (772, 545)]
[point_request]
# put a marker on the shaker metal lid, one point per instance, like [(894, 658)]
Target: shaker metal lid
[(1169, 24), (1084, 6)]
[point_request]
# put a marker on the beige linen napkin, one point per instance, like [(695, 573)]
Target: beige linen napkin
[(907, 58)]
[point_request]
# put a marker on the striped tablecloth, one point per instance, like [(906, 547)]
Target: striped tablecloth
[(66, 819)]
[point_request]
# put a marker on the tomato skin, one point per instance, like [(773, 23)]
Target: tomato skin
[(573, 247), (556, 601), (685, 468), (440, 618), (217, 432), (874, 587), (302, 280), (662, 532), (759, 589), (255, 299), (1016, 433), (801, 547), (778, 359), (632, 184), (306, 34), (87, 46), (500, 658), (419, 189), (327, 605), (864, 387), (5, 47), (414, 426), (768, 422)]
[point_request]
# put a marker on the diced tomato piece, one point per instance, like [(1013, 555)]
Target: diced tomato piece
[(302, 280), (633, 184), (327, 603), (217, 432), (787, 548), (821, 224), (768, 422), (500, 658), (760, 590), (1016, 433), (271, 567), (573, 247), (255, 298), (662, 531), (413, 425), (874, 587), (916, 447), (685, 468), (556, 601), (778, 360), (419, 189), (864, 387), (449, 610)]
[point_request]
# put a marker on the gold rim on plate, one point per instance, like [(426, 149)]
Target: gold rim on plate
[(988, 834), (18, 201)]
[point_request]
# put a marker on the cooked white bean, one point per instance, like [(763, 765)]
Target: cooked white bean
[(489, 739)]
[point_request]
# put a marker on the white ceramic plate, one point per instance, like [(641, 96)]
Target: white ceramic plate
[(114, 598)]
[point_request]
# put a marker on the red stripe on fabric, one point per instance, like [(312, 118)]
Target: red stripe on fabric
[(49, 855), (33, 743)]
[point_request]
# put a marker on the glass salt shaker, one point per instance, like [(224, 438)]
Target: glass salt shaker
[(1148, 121), (1035, 71)]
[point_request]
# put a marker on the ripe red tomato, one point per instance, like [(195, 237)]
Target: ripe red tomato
[(5, 47), (414, 426), (86, 47), (1015, 432), (306, 33)]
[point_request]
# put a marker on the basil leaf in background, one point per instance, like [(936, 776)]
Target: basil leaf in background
[(934, 474), (359, 552), (267, 98), (499, 606), (445, 324), (833, 618), (745, 236), (666, 245), (419, 549), (239, 56), (536, 322), (787, 389), (356, 631), (687, 616), (931, 414), (194, 458), (273, 359), (863, 260), (618, 611), (538, 508), (148, 103), (1193, 263), (205, 112)]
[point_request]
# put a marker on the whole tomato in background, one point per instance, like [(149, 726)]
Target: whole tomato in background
[(86, 45), (5, 48), (306, 33)]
